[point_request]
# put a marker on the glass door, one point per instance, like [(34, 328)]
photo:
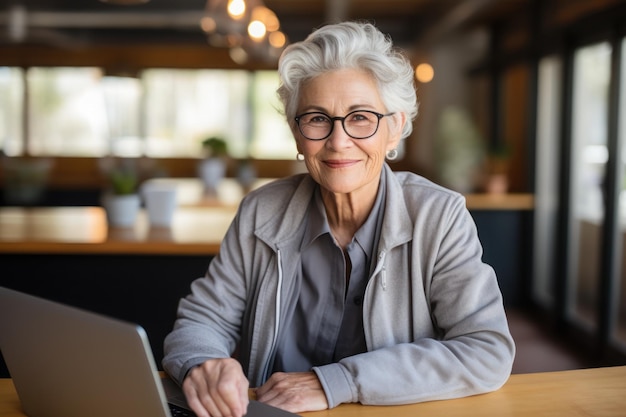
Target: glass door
[(619, 329), (547, 179), (592, 65)]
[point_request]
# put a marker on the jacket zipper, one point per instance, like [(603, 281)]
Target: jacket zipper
[(279, 287), (382, 269)]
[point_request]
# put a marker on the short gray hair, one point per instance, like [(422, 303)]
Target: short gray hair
[(356, 45)]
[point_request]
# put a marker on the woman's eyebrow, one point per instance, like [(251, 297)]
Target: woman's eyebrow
[(351, 108)]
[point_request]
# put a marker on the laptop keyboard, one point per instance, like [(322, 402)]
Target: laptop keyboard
[(180, 412)]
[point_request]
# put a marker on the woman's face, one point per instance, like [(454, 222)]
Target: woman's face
[(339, 163)]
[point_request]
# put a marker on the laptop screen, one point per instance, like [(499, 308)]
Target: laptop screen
[(70, 362)]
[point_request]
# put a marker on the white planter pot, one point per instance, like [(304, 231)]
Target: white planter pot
[(121, 210), (160, 203), (212, 172), (246, 175)]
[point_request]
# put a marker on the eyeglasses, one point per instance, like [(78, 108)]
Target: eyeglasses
[(358, 124)]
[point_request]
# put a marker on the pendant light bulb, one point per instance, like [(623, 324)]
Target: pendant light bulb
[(236, 8), (257, 30)]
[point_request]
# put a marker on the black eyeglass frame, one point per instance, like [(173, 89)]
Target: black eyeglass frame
[(342, 119)]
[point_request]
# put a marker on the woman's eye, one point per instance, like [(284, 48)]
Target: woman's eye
[(359, 118), (319, 119)]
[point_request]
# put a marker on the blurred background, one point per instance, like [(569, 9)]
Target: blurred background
[(522, 106)]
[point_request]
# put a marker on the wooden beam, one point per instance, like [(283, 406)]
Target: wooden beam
[(133, 56)]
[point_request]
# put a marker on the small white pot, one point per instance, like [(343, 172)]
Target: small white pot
[(121, 210), (212, 171)]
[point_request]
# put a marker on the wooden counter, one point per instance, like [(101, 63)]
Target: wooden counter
[(595, 392), (519, 201), (590, 392), (196, 230)]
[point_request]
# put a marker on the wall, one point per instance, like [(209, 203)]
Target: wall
[(453, 86)]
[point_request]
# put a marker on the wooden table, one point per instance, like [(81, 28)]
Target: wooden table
[(598, 392), (62, 230)]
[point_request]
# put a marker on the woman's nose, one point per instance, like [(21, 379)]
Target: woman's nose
[(338, 137)]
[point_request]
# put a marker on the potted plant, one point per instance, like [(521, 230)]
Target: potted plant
[(215, 147), (121, 200), (459, 150), (497, 181), (25, 179), (212, 169)]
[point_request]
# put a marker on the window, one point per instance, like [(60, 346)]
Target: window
[(271, 136), (67, 113), (162, 113), (547, 176), (122, 103), (619, 331), (11, 105), (183, 107), (592, 66)]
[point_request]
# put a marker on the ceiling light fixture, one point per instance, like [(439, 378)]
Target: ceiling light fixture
[(247, 27)]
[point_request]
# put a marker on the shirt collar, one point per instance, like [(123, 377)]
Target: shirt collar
[(366, 236), (317, 224)]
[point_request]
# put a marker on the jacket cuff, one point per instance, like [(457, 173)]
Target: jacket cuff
[(337, 384), (187, 366)]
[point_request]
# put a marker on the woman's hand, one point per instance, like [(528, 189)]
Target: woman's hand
[(295, 392), (217, 388)]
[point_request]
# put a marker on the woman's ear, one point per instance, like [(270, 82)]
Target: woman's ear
[(396, 127)]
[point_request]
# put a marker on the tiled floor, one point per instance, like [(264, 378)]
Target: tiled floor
[(537, 350)]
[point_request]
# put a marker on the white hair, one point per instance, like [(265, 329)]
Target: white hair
[(349, 45)]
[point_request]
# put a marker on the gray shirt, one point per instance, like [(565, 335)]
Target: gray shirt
[(327, 322)]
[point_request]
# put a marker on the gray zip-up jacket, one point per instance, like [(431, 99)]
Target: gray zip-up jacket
[(433, 317)]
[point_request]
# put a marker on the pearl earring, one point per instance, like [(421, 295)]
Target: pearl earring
[(299, 157), (392, 154)]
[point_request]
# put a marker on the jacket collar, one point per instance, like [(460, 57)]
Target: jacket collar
[(397, 223), (286, 229)]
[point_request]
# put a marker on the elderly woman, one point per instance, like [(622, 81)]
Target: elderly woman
[(351, 283)]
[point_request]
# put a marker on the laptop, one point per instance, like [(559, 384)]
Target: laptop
[(69, 362)]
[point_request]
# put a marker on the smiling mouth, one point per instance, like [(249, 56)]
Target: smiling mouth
[(343, 163)]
